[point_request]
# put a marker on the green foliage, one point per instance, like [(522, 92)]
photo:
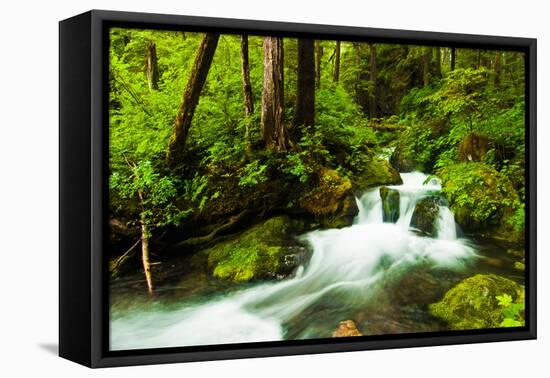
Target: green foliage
[(512, 312), (153, 192), (253, 173)]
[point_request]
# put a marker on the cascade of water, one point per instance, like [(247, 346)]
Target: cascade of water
[(344, 264)]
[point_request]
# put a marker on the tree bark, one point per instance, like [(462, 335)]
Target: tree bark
[(195, 83), (318, 58), (145, 256), (498, 69), (360, 97), (336, 73), (304, 111), (152, 68), (426, 60), (247, 86), (438, 62), (373, 78), (453, 58), (273, 128)]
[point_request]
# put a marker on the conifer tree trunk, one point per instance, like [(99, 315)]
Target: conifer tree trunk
[(453, 58), (184, 116), (247, 86), (438, 62), (498, 69), (152, 69), (304, 111), (318, 59), (336, 73), (273, 128), (426, 60), (360, 97), (373, 79)]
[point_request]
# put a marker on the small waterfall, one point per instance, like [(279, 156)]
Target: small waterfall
[(344, 265), (446, 225)]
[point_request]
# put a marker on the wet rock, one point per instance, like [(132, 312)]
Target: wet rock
[(266, 250), (472, 304), (390, 204), (331, 200), (425, 215), (519, 265), (346, 328), (377, 172)]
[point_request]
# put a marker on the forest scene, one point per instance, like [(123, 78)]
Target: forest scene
[(265, 188)]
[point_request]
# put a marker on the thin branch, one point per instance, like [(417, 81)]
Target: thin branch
[(121, 258)]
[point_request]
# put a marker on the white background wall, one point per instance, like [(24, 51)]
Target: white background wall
[(29, 187)]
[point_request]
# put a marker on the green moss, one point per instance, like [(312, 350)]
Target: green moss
[(331, 200), (472, 303), (481, 197), (257, 253), (377, 172)]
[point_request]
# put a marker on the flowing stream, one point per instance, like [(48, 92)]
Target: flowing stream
[(358, 272)]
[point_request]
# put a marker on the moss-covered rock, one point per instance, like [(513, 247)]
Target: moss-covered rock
[(331, 200), (425, 214), (472, 304), (266, 250), (390, 204), (482, 199), (377, 172)]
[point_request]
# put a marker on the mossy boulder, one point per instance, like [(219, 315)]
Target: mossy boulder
[(266, 250), (377, 172), (472, 304), (390, 204), (331, 201), (425, 214), (482, 199)]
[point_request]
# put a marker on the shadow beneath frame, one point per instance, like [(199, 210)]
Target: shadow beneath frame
[(51, 348)]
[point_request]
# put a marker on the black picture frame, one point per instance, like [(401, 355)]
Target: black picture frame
[(83, 154)]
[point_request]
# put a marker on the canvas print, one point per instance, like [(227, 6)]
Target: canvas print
[(264, 188)]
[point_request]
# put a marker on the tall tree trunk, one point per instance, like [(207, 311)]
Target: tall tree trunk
[(152, 68), (359, 90), (498, 69), (453, 58), (318, 58), (438, 62), (247, 86), (145, 256), (336, 73), (184, 116), (273, 128), (426, 60), (304, 111), (372, 79)]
